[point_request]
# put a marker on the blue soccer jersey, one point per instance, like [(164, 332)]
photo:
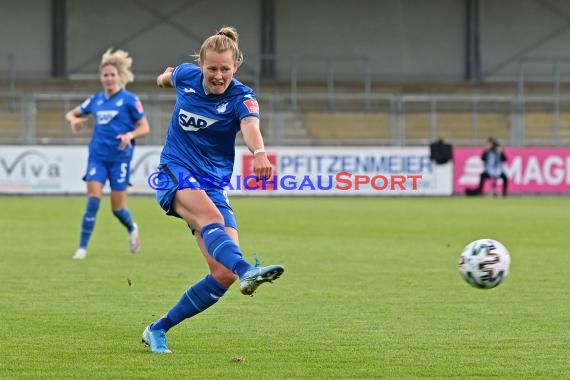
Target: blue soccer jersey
[(113, 115), (203, 129)]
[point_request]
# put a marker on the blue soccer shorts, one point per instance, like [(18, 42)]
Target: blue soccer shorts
[(118, 173), (167, 184)]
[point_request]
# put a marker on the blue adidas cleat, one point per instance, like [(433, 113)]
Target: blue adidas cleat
[(257, 275), (156, 340)]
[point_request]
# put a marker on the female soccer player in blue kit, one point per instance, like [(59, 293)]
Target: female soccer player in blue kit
[(211, 108), (119, 120)]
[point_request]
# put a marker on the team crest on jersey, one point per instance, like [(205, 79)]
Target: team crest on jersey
[(252, 105), (221, 108), (193, 122), (119, 103), (104, 117)]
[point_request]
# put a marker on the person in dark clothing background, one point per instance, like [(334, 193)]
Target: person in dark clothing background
[(493, 159), (441, 152)]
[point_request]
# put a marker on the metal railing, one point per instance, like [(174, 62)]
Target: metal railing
[(327, 119)]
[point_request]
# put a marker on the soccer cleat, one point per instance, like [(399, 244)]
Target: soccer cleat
[(257, 275), (156, 340), (134, 239), (80, 254)]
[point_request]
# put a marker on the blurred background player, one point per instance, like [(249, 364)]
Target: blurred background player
[(119, 120), (211, 108), (493, 159)]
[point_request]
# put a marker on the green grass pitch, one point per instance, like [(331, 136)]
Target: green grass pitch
[(371, 290)]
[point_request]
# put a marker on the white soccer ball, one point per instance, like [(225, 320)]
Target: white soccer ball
[(484, 263)]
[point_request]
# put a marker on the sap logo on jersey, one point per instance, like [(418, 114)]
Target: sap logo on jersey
[(192, 122), (104, 117)]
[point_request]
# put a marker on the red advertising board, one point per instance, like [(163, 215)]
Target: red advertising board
[(251, 184)]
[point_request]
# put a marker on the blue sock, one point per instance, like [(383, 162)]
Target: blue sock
[(198, 298), (222, 248), (125, 217), (89, 221)]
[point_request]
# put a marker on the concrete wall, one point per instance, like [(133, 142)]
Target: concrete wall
[(157, 33), (524, 30), (403, 39), (25, 39), (397, 40)]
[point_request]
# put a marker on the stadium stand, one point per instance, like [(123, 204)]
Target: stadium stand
[(314, 115), (347, 126)]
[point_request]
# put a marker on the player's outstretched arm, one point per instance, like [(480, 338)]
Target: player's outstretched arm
[(165, 79)]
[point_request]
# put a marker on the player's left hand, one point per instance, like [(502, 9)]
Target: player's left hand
[(125, 140), (262, 168)]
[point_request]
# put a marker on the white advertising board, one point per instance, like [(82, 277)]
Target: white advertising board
[(314, 171)]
